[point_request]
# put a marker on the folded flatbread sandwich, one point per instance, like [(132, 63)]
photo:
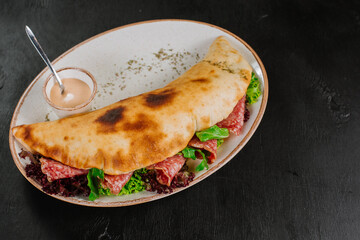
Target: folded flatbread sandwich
[(144, 130)]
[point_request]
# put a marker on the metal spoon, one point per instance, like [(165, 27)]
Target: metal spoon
[(41, 52)]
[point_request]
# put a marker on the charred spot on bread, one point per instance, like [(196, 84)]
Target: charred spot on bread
[(116, 160), (200, 80), (141, 123), (154, 100), (205, 119), (54, 151), (190, 127), (204, 89), (245, 74), (109, 119), (111, 116), (139, 148), (26, 132)]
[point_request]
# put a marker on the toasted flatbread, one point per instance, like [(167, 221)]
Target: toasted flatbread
[(145, 129)]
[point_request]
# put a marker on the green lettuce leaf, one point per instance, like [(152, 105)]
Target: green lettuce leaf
[(93, 177), (254, 90), (189, 152), (213, 132), (203, 163), (104, 191), (220, 142), (134, 185)]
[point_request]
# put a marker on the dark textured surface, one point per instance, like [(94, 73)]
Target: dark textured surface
[(297, 178)]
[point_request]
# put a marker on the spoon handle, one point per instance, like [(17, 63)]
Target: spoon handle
[(41, 52)]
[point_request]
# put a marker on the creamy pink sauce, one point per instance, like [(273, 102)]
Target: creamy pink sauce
[(76, 93)]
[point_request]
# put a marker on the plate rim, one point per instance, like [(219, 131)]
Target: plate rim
[(154, 197)]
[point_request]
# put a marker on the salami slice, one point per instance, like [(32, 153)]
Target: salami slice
[(55, 170), (209, 145), (235, 121), (167, 169), (116, 182)]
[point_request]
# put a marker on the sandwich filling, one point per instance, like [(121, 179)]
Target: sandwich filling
[(162, 177)]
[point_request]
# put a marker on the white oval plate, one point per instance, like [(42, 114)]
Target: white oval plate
[(130, 60)]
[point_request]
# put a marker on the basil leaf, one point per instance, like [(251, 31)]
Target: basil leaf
[(203, 163), (213, 132), (189, 153), (254, 90), (93, 182)]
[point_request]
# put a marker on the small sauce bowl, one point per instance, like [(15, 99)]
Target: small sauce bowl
[(70, 72)]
